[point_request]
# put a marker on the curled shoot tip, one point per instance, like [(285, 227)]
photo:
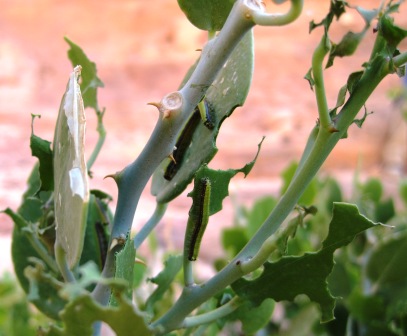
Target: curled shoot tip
[(261, 18)]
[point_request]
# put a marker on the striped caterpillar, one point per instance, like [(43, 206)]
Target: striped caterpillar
[(198, 219), (201, 112)]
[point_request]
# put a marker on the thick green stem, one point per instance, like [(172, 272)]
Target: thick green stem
[(133, 179), (214, 55), (308, 148), (131, 182)]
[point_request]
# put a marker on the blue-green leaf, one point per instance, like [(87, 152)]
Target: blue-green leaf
[(228, 91), (207, 15)]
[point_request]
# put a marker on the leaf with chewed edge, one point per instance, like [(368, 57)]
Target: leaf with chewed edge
[(81, 313), (307, 274), (124, 268), (90, 81), (228, 91), (41, 149), (220, 182), (71, 193), (163, 281)]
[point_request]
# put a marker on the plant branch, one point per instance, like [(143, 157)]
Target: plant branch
[(150, 225), (308, 148), (133, 179), (60, 257), (188, 272), (317, 70), (400, 60), (213, 315), (324, 144), (265, 19), (274, 242), (41, 250), (102, 136), (131, 182), (214, 55)]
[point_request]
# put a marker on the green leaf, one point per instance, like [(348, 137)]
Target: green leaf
[(31, 209), (101, 195), (259, 212), (16, 315), (353, 80), (340, 281), (37, 282), (309, 194), (385, 211), (336, 9), (253, 318), (82, 311), (310, 79), (359, 122), (380, 313), (302, 321), (47, 299), (17, 219), (403, 191), (124, 267), (387, 265), (42, 150), (350, 41), (138, 274), (366, 308), (372, 190), (164, 281), (340, 100), (234, 239), (90, 81), (80, 314), (228, 91), (33, 182), (71, 193), (291, 276), (207, 15), (346, 47), (89, 276), (333, 194), (20, 320), (97, 233), (220, 182), (390, 32)]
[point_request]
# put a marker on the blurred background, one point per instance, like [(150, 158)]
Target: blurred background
[(142, 51)]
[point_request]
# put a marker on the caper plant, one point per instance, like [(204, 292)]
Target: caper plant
[(76, 258)]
